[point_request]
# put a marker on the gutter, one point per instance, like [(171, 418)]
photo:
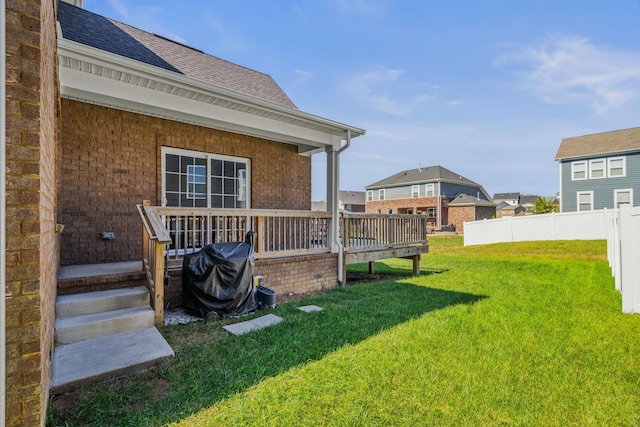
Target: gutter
[(336, 208), (3, 216)]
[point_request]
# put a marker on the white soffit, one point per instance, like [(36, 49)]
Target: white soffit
[(94, 76)]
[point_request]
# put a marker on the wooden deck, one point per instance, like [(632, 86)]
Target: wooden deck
[(169, 233)]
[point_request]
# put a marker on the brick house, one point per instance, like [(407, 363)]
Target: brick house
[(431, 191), (119, 116)]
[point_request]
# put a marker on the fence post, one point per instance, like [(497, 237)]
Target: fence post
[(630, 271)]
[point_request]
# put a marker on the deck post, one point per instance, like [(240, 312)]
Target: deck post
[(416, 265), (158, 289), (372, 267)]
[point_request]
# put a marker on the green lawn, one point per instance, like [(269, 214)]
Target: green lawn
[(507, 334)]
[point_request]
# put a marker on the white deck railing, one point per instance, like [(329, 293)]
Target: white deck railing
[(374, 231)]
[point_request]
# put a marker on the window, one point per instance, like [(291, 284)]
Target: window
[(585, 201), (578, 170), (379, 211), (389, 211), (369, 195), (431, 190), (617, 167), (381, 194), (415, 191), (623, 197), (195, 179), (432, 212), (596, 168)]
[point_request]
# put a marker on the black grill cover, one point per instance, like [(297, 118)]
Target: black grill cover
[(219, 278)]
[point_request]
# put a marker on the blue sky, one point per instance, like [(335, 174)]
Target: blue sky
[(486, 89)]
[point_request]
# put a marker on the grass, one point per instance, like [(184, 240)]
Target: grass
[(507, 334)]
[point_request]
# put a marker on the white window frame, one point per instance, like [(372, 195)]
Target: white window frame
[(581, 193), (592, 168), (243, 178), (574, 167), (432, 213), (624, 167), (369, 195), (415, 191), (381, 194), (430, 190), (622, 190)]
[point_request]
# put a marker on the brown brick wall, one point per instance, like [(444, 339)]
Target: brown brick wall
[(459, 214), (416, 204), (295, 275), (111, 161), (32, 255)]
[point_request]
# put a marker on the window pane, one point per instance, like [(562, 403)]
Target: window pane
[(173, 182), (216, 185), (216, 201), (229, 169), (216, 167), (172, 163), (229, 202)]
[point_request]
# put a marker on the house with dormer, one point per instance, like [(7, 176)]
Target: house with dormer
[(445, 197)]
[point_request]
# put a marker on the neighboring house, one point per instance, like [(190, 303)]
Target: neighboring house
[(512, 199), (429, 191), (466, 208), (509, 210), (101, 116), (527, 201), (350, 201), (600, 170)]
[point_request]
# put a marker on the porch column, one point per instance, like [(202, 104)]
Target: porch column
[(333, 202)]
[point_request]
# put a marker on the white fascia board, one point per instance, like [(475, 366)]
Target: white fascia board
[(92, 87), (95, 89)]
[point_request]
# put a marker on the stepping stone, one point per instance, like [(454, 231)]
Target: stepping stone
[(310, 308), (253, 324)]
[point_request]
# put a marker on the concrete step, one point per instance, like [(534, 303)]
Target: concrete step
[(96, 302), (88, 326), (108, 356)]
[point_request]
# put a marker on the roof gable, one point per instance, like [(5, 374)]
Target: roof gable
[(619, 141), (421, 176), (507, 196), (465, 200), (90, 29), (353, 197)]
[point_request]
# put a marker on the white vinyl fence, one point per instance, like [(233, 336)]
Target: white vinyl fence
[(590, 225), (623, 253), (620, 227)]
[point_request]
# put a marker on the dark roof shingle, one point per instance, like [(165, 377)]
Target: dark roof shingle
[(422, 175), (93, 30)]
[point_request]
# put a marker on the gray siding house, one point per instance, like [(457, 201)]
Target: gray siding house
[(600, 171), (428, 191)]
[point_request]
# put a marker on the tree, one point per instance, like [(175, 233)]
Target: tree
[(542, 206)]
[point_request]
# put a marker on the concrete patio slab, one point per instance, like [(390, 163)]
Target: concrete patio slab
[(253, 324), (310, 308)]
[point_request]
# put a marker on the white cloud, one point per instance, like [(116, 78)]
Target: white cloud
[(573, 69), (119, 8), (385, 89), (302, 77)]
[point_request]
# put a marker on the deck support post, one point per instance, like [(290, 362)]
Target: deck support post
[(372, 267), (416, 265)]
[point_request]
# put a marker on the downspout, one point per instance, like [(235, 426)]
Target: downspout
[(3, 216), (336, 208)]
